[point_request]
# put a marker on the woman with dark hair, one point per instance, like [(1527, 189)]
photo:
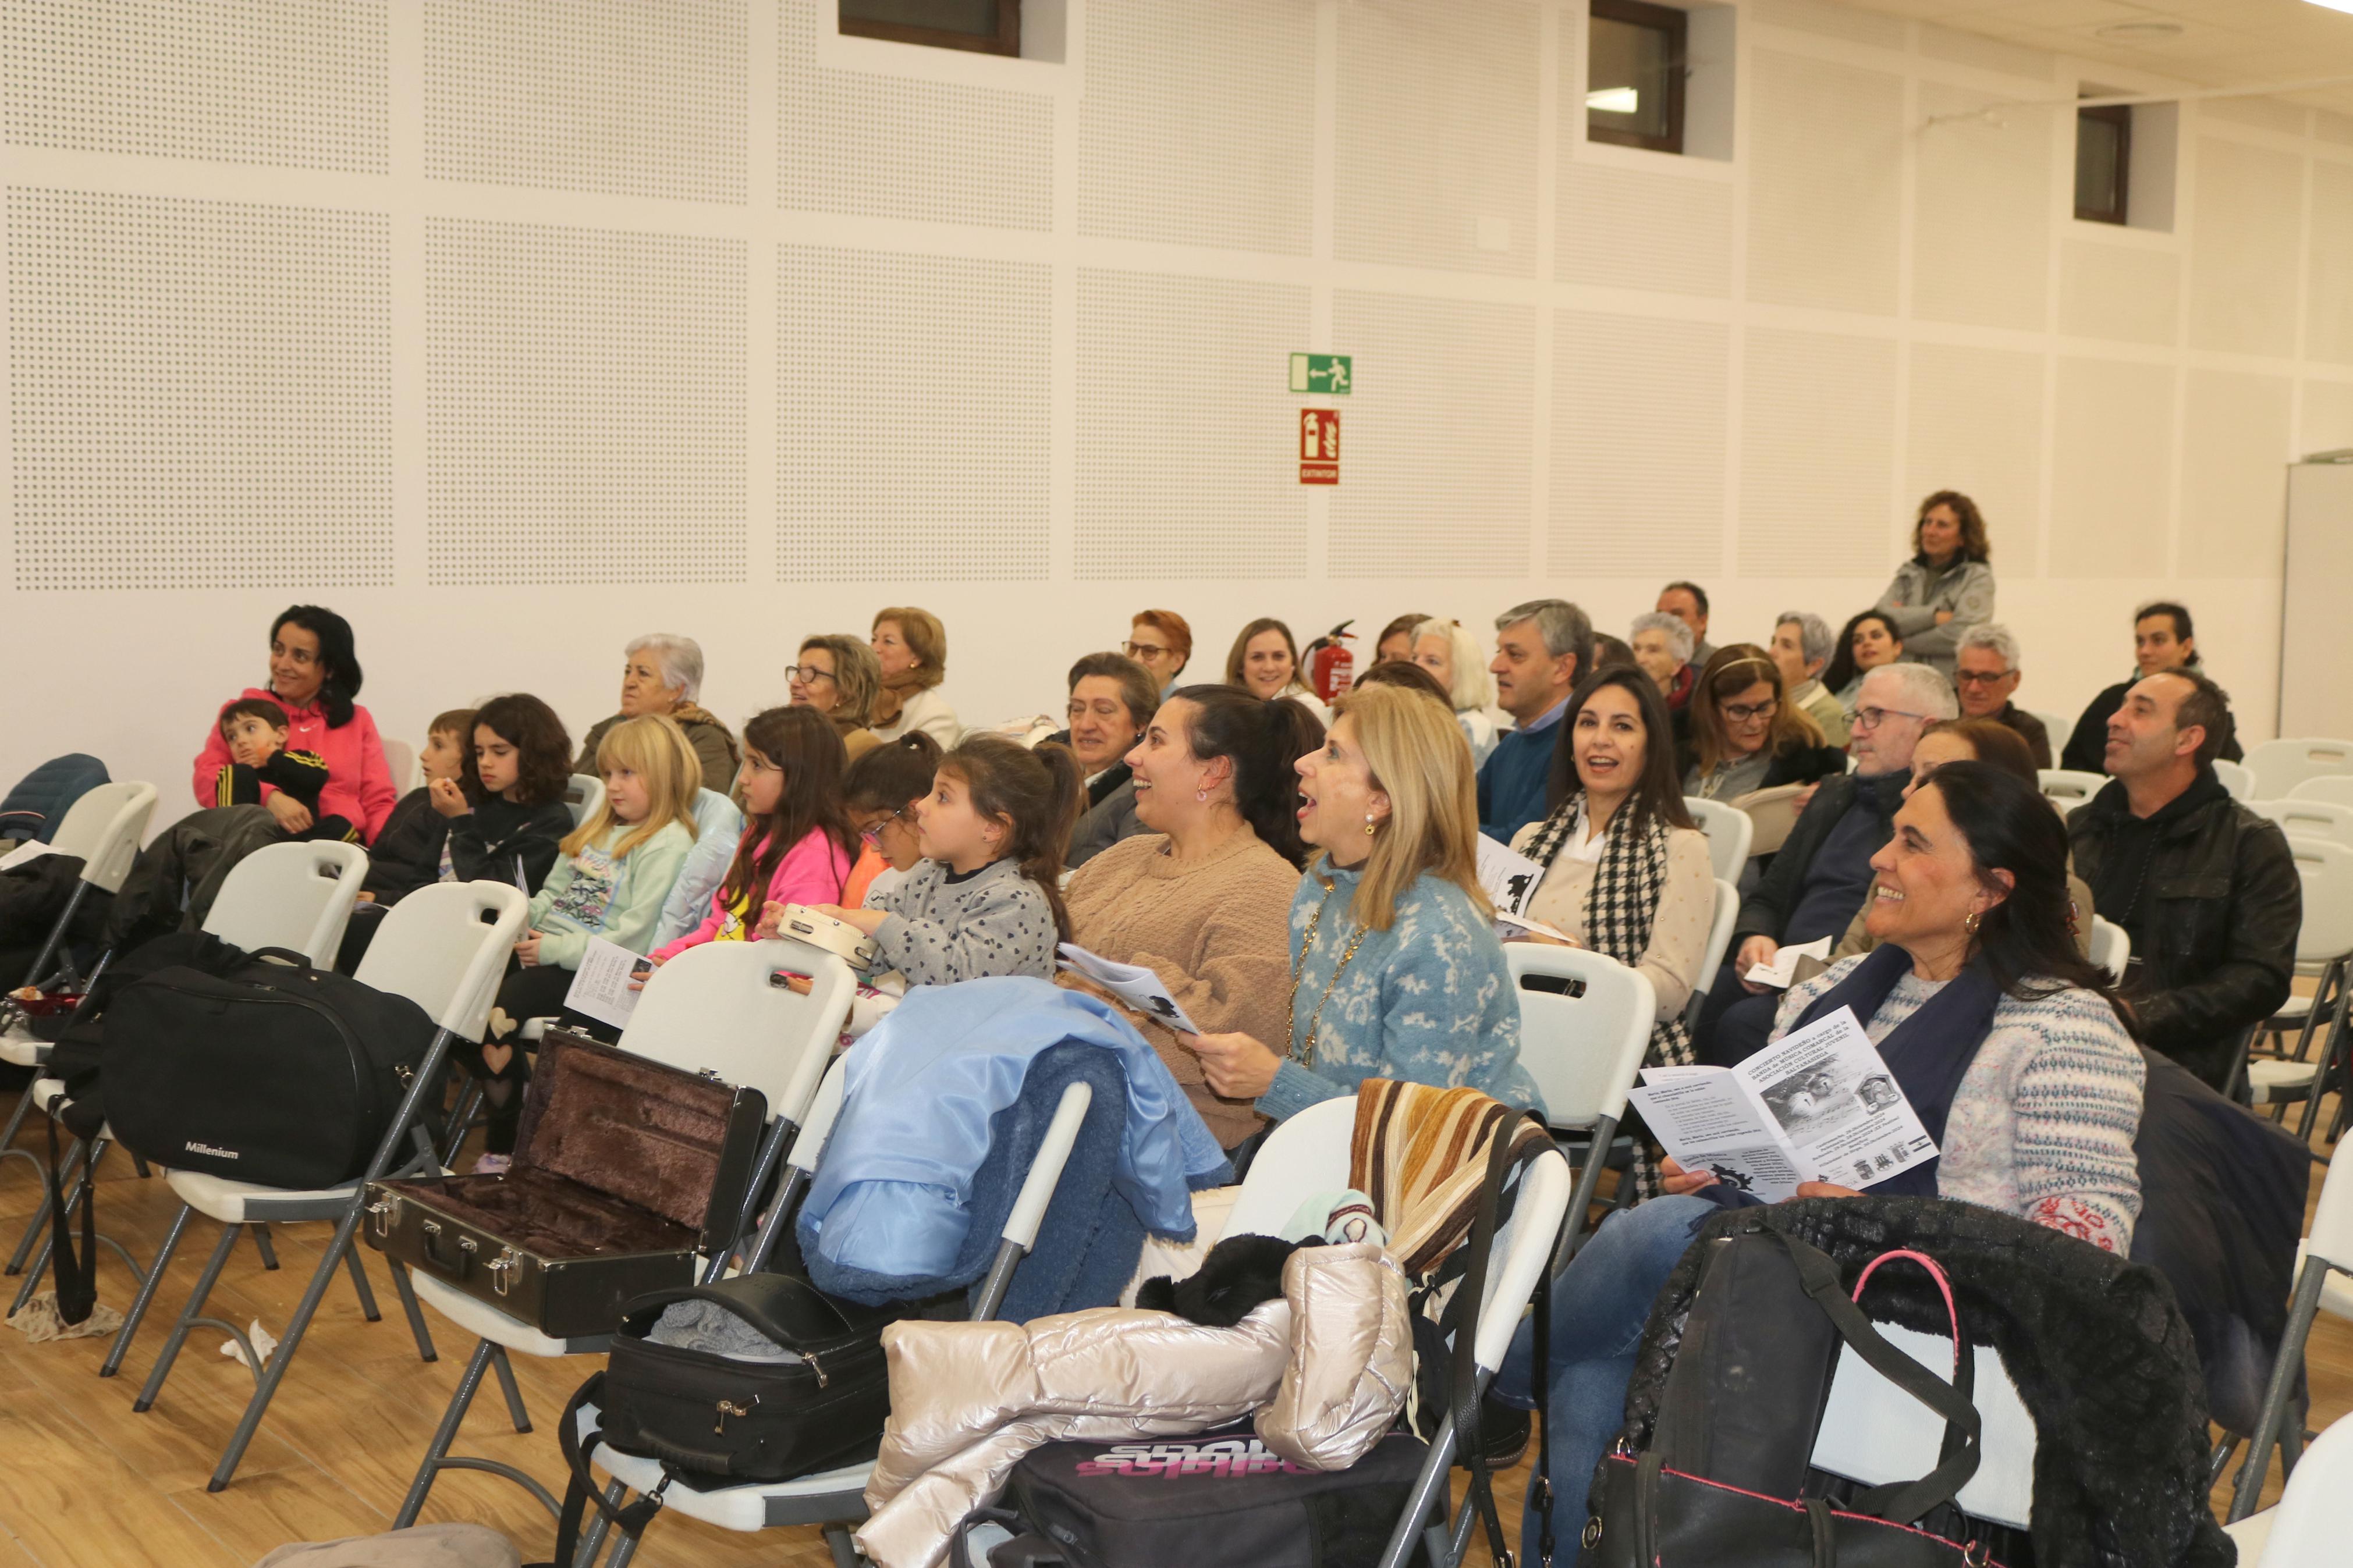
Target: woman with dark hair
[(1869, 641), (1112, 699), (315, 676), (1745, 733), (1406, 677), (1396, 642), (1948, 585), (1203, 896), (2012, 1049), (1264, 662)]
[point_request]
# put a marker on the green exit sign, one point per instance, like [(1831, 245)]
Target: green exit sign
[(1322, 373)]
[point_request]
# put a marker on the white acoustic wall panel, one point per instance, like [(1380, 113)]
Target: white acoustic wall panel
[(1986, 54), (624, 97), (1188, 435), (1982, 228), (2110, 479), (1831, 21), (912, 417), (2267, 114), (2242, 259), (1817, 465), (1637, 428), (297, 84), (1628, 229), (889, 146), (2329, 275), (2337, 128), (1198, 123), (583, 406), (2129, 293), (1826, 182), (1976, 425), (2235, 440), (1437, 135), (1435, 450), (199, 393), (2327, 424)]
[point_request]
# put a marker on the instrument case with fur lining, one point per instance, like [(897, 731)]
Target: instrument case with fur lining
[(624, 1168)]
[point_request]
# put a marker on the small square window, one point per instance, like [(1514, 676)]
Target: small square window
[(990, 26), (1634, 68), (2103, 164)]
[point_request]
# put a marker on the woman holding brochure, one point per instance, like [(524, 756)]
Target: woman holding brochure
[(1202, 897), (2011, 1047)]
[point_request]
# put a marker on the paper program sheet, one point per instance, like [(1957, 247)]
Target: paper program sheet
[(1133, 984), (600, 986)]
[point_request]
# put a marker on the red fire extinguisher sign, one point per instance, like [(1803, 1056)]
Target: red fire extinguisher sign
[(1319, 447)]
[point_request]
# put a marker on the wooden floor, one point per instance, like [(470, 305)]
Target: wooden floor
[(85, 1483)]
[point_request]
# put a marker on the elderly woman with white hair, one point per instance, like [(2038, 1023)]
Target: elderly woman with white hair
[(1457, 662), (1663, 646), (664, 675)]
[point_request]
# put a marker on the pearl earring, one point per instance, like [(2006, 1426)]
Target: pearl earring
[(1368, 824)]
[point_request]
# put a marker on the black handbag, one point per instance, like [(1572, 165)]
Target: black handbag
[(1727, 1476), (716, 1420)]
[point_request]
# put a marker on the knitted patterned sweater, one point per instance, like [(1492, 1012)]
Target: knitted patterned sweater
[(2043, 1125), (943, 929)]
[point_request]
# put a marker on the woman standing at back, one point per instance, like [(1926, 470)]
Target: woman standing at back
[(1948, 585)]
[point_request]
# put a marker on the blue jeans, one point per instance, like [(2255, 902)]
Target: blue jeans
[(1599, 1306)]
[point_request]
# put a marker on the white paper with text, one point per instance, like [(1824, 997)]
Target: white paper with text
[(600, 986), (1134, 983)]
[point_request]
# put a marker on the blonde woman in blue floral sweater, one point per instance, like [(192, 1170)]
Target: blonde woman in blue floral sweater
[(1396, 972)]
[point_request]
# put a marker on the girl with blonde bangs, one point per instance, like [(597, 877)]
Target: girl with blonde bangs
[(655, 749), (1395, 969)]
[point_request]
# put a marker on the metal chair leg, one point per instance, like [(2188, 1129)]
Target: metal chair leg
[(188, 1315), (444, 1434), (2278, 1392), (265, 1245), (415, 1313), (146, 1296), (359, 1288), (500, 1364)]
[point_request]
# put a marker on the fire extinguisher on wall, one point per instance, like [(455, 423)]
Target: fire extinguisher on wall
[(1330, 664)]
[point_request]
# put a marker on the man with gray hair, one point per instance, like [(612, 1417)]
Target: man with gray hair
[(1822, 872), (1801, 646), (1541, 648), (1985, 674)]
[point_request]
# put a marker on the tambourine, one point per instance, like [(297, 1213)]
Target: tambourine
[(845, 940)]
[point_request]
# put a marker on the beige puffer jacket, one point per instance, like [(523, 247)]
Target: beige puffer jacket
[(1326, 1368)]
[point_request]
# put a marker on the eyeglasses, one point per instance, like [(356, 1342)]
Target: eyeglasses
[(809, 674), (1744, 713), (1142, 650), (1979, 678), (1873, 718), (871, 834)]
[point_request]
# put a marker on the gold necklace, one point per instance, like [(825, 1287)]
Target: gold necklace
[(1304, 1054)]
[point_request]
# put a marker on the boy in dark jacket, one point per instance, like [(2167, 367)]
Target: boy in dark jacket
[(255, 729)]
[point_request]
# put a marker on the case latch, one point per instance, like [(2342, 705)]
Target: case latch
[(380, 1214), (503, 1268)]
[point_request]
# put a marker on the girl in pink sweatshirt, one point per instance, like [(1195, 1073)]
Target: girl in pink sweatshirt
[(797, 846)]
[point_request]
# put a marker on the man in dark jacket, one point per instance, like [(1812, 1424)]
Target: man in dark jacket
[(2163, 639), (2206, 890), (1822, 872)]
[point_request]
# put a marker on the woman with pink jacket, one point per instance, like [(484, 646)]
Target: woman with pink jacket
[(314, 674)]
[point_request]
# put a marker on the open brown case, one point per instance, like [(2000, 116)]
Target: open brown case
[(623, 1170)]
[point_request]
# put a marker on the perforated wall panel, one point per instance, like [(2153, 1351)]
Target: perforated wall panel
[(1188, 450), (1435, 443), (2327, 423), (2235, 444), (2111, 482), (1638, 430), (583, 406), (2124, 291), (199, 393), (1826, 182), (286, 83), (1437, 135), (2328, 274), (1976, 425), (1981, 235), (887, 146), (912, 410), (1628, 229), (624, 97), (2242, 258), (1831, 21), (1816, 455), (1986, 54), (1198, 123)]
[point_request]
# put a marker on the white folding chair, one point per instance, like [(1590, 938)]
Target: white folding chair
[(1771, 813), (297, 896), (2323, 1282), (2312, 1521), (583, 795), (1719, 942), (720, 1008), (104, 828), (2236, 778), (443, 947), (1309, 1154), (1728, 832), (400, 762), (2111, 949), (1585, 1026), (2281, 765), (2302, 816), (2059, 729), (834, 1500), (2324, 944), (2068, 788), (2337, 789)]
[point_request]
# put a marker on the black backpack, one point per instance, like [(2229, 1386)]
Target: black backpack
[(263, 1069)]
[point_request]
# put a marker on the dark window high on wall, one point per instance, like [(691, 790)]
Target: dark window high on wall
[(990, 27), (2103, 162), (1634, 63)]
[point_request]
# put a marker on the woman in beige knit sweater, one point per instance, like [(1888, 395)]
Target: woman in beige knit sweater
[(1203, 898)]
